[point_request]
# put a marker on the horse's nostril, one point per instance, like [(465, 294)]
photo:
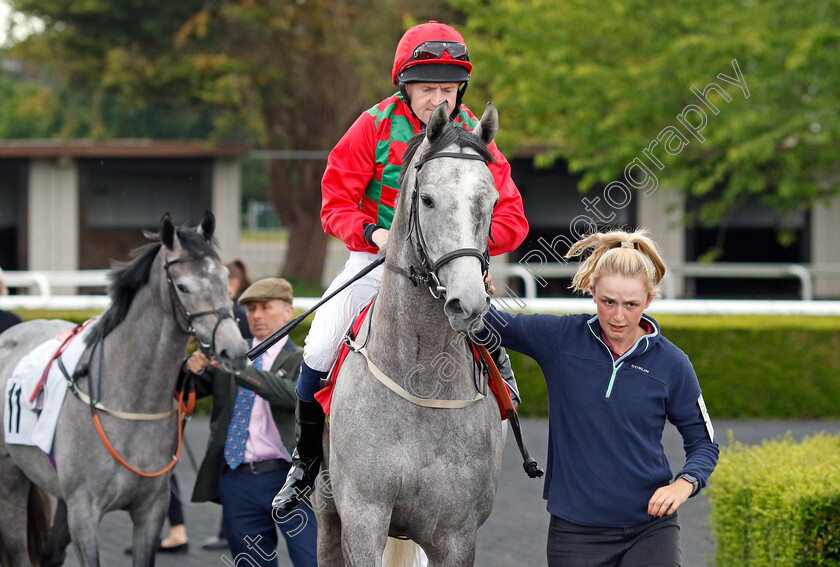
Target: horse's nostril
[(224, 355), (453, 308)]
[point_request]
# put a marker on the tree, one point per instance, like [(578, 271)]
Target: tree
[(283, 75), (597, 82)]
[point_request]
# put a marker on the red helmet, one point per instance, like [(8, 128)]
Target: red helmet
[(431, 53)]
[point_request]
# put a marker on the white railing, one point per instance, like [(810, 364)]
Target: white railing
[(532, 274), (43, 287)]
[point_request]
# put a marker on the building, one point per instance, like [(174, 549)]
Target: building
[(77, 204)]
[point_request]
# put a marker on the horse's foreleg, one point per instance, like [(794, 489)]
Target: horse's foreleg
[(148, 520), (14, 494), (364, 533), (452, 550), (329, 524), (83, 521), (58, 538)]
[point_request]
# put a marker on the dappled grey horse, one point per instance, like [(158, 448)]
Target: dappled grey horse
[(175, 286), (395, 467)]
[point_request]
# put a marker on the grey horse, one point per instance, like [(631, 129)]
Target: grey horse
[(174, 287), (393, 467)]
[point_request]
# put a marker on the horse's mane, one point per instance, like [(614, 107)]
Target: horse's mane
[(454, 134), (127, 278)]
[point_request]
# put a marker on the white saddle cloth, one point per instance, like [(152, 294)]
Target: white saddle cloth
[(33, 423)]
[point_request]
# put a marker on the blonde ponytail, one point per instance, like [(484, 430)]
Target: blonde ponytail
[(618, 253)]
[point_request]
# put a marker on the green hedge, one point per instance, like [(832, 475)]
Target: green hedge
[(766, 367), (777, 504)]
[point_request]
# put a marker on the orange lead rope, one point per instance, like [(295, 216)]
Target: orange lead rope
[(529, 464), (183, 410)]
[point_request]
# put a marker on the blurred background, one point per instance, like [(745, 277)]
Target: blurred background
[(713, 124)]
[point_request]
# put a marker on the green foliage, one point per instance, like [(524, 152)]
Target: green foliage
[(281, 74), (596, 81), (27, 110), (777, 504)]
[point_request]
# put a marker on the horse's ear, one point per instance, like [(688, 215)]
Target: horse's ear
[(438, 121), (167, 231), (207, 226), (488, 125)]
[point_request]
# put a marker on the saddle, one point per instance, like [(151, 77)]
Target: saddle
[(66, 338), (324, 395)]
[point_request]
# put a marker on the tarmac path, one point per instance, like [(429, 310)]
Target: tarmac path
[(515, 533)]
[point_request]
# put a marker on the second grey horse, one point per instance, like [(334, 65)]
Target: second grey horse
[(174, 287), (394, 467)]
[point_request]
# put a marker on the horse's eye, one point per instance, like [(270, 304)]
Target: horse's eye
[(182, 288), (427, 201)]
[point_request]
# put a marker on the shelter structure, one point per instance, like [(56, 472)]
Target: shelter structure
[(79, 204)]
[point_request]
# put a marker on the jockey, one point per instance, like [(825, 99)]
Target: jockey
[(359, 191)]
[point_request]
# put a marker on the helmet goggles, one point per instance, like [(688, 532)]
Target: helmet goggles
[(434, 50)]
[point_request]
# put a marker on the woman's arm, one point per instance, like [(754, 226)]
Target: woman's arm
[(531, 334)]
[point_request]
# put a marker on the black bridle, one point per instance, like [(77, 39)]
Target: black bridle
[(184, 318), (427, 272)]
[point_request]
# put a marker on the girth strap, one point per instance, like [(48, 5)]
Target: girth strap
[(402, 392), (354, 346), (76, 391)]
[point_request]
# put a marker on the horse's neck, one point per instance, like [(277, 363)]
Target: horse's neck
[(142, 355), (411, 339)]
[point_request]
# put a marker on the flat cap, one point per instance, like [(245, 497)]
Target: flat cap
[(266, 290)]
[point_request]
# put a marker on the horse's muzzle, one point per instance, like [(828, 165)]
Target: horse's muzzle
[(462, 314)]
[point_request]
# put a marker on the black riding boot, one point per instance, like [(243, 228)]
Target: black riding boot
[(306, 458), (500, 356)]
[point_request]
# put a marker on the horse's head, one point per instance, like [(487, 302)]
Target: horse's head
[(198, 291), (448, 195)]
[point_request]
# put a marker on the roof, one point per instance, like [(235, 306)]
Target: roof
[(123, 148)]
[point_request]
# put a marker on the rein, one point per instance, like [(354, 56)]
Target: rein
[(427, 272), (184, 321)]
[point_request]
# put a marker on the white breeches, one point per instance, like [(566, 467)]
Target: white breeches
[(334, 317)]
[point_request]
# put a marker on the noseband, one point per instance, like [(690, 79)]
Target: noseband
[(427, 272), (183, 317)]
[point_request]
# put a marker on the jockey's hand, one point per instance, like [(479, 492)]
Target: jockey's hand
[(197, 362), (491, 289), (667, 499), (380, 237)]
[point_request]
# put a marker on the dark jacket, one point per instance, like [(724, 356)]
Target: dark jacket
[(605, 455), (277, 386)]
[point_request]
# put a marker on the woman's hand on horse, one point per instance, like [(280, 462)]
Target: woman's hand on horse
[(380, 237), (667, 499), (488, 279)]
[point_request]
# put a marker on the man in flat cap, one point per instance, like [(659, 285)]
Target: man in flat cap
[(252, 430)]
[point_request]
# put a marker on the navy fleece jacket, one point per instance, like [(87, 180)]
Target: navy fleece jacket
[(605, 455)]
